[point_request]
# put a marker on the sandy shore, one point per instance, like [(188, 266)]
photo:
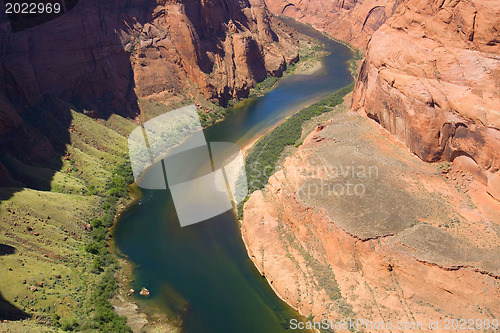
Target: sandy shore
[(123, 303), (309, 67)]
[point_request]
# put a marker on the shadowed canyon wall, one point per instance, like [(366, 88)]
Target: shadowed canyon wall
[(102, 56)]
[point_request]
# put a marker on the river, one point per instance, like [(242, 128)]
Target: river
[(201, 275)]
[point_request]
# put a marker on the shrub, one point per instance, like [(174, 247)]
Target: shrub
[(93, 248), (261, 161), (96, 264), (105, 319), (69, 325)]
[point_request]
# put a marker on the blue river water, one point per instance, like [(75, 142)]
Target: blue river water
[(200, 276)]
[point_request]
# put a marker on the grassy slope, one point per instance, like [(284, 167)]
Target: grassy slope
[(46, 229), (79, 194), (264, 155)]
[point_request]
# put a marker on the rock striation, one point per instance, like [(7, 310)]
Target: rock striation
[(353, 21), (353, 226), (103, 56), (223, 48), (431, 77)]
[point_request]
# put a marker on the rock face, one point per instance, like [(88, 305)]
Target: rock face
[(431, 77), (353, 21), (394, 250), (102, 56), (353, 227), (224, 48)]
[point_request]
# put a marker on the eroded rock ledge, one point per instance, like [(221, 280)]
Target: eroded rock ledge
[(411, 247), (102, 56), (431, 77)]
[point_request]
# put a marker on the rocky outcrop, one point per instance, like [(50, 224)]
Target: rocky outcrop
[(431, 77), (353, 21), (222, 48), (355, 227), (387, 246), (102, 56)]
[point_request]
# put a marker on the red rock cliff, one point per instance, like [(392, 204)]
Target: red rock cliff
[(353, 21), (412, 247), (431, 77), (355, 227), (102, 56), (224, 48)]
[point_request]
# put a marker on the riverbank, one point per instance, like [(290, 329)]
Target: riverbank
[(338, 256), (356, 59), (263, 156), (221, 237), (341, 98), (310, 54), (63, 232), (291, 138)]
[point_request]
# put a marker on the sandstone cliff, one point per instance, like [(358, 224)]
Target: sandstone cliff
[(431, 77), (355, 227), (422, 240), (222, 48), (353, 21), (103, 56)]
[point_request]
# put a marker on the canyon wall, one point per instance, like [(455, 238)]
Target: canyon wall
[(430, 74), (353, 21), (102, 56), (431, 77), (421, 240), (353, 226)]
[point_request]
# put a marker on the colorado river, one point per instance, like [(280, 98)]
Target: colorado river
[(201, 274)]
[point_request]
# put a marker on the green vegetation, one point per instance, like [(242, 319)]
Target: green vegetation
[(116, 188), (308, 55), (209, 112), (353, 62), (268, 83), (212, 114), (63, 273), (100, 226), (100, 311), (262, 158), (105, 319)]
